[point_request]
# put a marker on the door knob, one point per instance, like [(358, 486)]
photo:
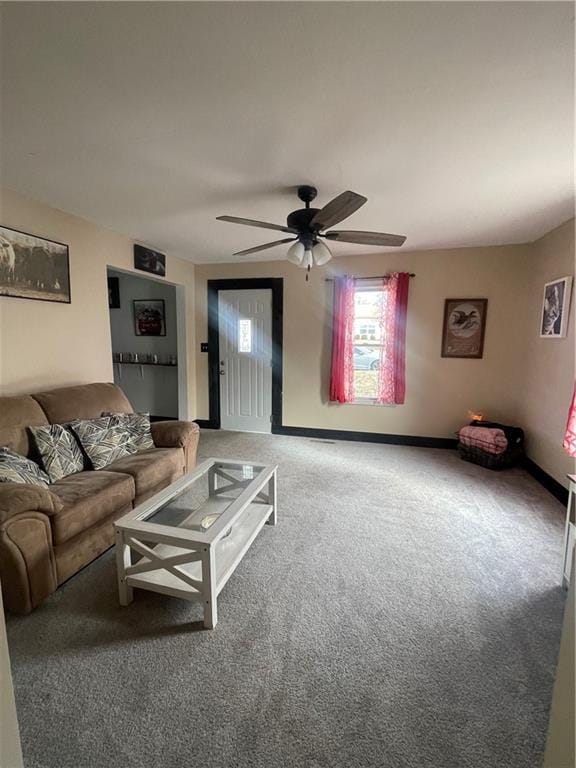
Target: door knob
[(222, 373)]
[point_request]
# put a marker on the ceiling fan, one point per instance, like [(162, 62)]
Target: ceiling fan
[(308, 225)]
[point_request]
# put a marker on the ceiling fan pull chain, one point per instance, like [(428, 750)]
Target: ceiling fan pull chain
[(307, 272)]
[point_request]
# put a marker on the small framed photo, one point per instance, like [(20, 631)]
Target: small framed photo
[(556, 308), (113, 293), (149, 261), (33, 267), (149, 317), (464, 327)]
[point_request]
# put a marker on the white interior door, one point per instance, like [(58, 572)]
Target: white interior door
[(245, 321)]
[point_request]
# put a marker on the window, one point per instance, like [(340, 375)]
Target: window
[(245, 335), (367, 339), (368, 363)]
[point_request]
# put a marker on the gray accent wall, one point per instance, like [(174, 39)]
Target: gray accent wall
[(148, 387)]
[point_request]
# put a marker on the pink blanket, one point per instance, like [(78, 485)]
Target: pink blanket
[(488, 439)]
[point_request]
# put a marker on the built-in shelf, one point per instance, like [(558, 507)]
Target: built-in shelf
[(152, 365)]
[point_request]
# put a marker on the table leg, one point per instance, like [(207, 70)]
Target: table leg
[(212, 482), (123, 560), (273, 499), (209, 584)]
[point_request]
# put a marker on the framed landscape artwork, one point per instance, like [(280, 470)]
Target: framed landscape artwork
[(464, 326), (555, 308), (149, 317), (32, 267)]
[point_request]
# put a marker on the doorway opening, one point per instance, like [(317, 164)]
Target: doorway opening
[(245, 354), (145, 329)]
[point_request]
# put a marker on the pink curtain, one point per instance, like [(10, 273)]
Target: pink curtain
[(570, 436), (342, 372), (392, 378)]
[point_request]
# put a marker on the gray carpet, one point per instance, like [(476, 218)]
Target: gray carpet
[(405, 613)]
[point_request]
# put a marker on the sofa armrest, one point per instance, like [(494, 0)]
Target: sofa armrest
[(174, 434), (177, 434), (23, 497)]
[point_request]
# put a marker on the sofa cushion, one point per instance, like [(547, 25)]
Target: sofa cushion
[(75, 553), (15, 468), (88, 497), (83, 402), (151, 468), (59, 450), (17, 413)]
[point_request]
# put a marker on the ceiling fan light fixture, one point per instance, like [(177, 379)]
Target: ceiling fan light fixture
[(321, 253), (308, 260), (308, 224), (296, 253)]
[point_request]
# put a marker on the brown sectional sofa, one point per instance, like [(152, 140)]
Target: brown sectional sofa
[(46, 536)]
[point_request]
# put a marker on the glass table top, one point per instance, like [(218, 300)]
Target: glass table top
[(206, 497)]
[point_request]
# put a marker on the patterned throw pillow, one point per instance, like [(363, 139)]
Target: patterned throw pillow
[(104, 440), (59, 449), (138, 427), (15, 468)]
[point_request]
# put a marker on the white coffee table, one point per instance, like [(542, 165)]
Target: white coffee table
[(192, 535), (569, 532)]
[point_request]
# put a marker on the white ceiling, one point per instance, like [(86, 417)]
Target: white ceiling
[(454, 119)]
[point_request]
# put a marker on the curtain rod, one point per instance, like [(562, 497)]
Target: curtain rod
[(375, 277)]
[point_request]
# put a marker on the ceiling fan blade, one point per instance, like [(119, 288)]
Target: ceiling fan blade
[(337, 210), (366, 238), (265, 246), (253, 223)]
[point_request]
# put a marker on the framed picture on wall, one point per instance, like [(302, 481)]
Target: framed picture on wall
[(33, 267), (464, 326), (149, 317), (149, 261), (556, 308), (113, 293)]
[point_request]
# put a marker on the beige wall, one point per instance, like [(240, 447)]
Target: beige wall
[(45, 345), (439, 391), (522, 378), (546, 387)]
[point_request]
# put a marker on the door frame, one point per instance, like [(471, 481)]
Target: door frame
[(276, 284), (181, 332)]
